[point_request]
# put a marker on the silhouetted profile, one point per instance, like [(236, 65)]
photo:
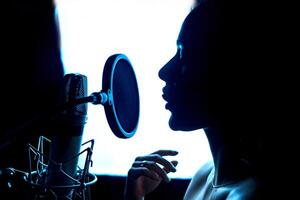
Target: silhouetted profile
[(209, 85)]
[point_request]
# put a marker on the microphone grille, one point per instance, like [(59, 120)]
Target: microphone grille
[(75, 87)]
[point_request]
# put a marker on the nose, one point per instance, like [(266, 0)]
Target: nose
[(162, 73), (166, 73)]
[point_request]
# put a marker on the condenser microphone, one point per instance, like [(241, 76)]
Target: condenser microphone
[(58, 176), (66, 141)]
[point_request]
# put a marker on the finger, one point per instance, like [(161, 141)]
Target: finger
[(174, 163), (152, 166), (138, 164), (161, 153), (136, 172), (157, 157), (166, 152), (164, 162)]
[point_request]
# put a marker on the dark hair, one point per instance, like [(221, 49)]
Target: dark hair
[(224, 49)]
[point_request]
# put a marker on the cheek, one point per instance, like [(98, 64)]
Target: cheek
[(187, 102), (191, 105)]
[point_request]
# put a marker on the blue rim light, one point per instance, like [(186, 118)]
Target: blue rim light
[(111, 100)]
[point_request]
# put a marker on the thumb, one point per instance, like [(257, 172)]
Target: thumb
[(174, 163)]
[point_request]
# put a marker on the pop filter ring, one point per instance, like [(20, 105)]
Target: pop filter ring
[(108, 88)]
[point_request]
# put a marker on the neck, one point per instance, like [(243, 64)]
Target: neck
[(229, 166)]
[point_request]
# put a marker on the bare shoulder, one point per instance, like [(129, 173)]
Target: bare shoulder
[(203, 172), (199, 181)]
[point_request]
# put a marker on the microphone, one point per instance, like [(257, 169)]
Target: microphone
[(57, 177), (67, 137)]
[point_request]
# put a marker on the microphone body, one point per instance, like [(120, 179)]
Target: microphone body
[(67, 138)]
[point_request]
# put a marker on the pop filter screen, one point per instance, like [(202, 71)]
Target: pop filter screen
[(119, 81)]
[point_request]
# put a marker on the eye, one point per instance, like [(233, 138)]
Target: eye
[(183, 67), (180, 51)]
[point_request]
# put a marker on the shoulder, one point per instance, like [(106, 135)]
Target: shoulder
[(199, 181), (203, 172)]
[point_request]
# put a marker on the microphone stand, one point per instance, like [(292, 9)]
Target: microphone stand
[(31, 177)]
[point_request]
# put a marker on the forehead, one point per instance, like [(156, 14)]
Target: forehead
[(199, 26)]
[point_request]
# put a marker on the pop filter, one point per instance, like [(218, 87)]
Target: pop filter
[(120, 84)]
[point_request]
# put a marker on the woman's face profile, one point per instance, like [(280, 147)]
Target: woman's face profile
[(185, 75)]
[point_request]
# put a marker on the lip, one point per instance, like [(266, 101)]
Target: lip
[(168, 106), (166, 97)]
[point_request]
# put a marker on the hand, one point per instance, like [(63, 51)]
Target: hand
[(147, 172)]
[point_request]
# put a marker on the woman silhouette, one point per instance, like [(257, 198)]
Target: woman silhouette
[(203, 91)]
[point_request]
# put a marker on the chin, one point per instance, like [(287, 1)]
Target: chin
[(181, 124)]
